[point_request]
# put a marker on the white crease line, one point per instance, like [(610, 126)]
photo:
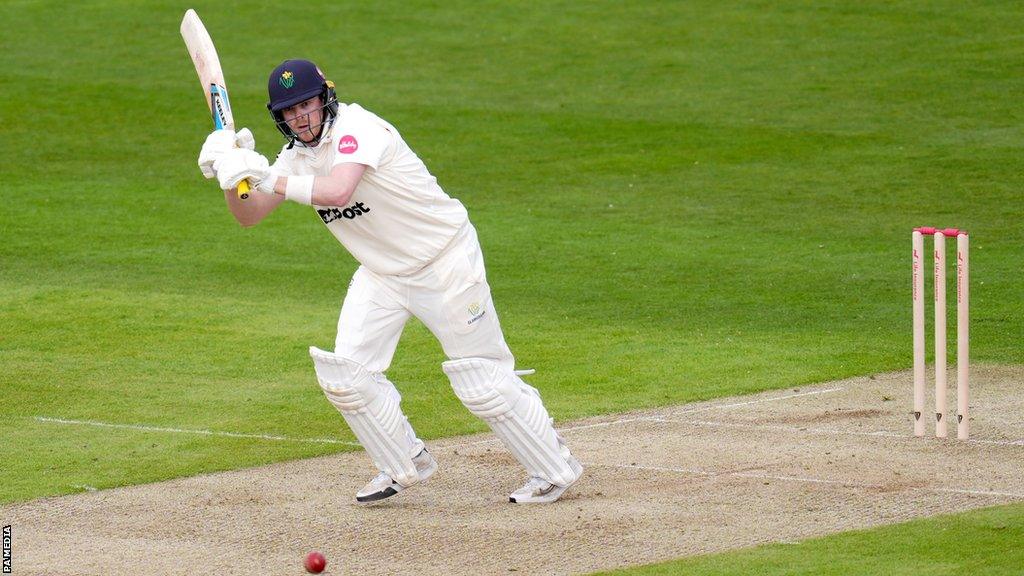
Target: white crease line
[(704, 409), (887, 434), (464, 444), (805, 480), (657, 419), (454, 446), (800, 479), (976, 492), (761, 401), (996, 442), (663, 469), (560, 430), (826, 431), (187, 431), (612, 423)]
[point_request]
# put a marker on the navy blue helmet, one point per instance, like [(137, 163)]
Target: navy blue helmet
[(295, 81)]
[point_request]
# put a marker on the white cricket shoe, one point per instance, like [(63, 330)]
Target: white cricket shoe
[(540, 491), (383, 486)]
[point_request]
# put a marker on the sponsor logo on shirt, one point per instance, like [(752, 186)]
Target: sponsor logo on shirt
[(329, 215), (348, 144)]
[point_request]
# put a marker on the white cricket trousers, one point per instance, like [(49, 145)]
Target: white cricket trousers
[(450, 296)]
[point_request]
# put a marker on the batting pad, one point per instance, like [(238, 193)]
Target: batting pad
[(373, 415), (515, 413)]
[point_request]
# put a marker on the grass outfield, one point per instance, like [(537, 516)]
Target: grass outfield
[(677, 201), (984, 542)]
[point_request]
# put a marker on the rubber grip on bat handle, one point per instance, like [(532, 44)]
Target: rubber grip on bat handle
[(243, 189)]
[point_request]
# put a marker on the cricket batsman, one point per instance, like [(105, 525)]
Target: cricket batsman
[(418, 256)]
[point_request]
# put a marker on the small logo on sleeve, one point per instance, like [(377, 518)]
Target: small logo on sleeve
[(348, 144)]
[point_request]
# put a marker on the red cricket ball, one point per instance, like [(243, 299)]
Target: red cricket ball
[(315, 562)]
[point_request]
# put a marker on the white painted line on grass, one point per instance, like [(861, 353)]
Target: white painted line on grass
[(144, 428)]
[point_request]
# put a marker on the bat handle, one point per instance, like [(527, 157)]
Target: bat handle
[(243, 189)]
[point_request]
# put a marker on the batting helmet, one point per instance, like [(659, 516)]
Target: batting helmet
[(295, 81)]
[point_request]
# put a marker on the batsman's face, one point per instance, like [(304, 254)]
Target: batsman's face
[(305, 118)]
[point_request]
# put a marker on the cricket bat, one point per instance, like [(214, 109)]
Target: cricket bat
[(204, 56)]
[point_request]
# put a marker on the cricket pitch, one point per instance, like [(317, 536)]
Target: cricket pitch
[(779, 466)]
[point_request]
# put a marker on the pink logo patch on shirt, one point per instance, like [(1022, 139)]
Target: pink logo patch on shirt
[(348, 144)]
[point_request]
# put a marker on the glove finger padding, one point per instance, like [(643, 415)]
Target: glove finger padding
[(245, 139), (240, 164), (216, 144), (219, 142)]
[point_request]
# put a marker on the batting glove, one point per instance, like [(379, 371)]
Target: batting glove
[(239, 164), (245, 139), (219, 142), (267, 184)]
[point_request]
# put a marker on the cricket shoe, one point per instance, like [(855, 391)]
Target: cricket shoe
[(383, 486), (540, 491)]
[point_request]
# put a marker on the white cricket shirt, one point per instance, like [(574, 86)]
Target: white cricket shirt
[(399, 219)]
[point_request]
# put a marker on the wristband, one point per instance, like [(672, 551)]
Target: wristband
[(300, 189)]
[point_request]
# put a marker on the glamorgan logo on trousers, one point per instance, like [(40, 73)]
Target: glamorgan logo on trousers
[(329, 215), (475, 312)]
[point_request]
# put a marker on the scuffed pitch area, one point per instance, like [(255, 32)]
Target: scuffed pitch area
[(660, 484)]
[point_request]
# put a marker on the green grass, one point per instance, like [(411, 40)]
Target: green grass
[(984, 542), (677, 201)]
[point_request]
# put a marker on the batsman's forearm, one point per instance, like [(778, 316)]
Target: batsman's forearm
[(316, 190), (332, 191), (249, 212)]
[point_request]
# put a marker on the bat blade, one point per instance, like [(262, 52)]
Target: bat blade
[(211, 77)]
